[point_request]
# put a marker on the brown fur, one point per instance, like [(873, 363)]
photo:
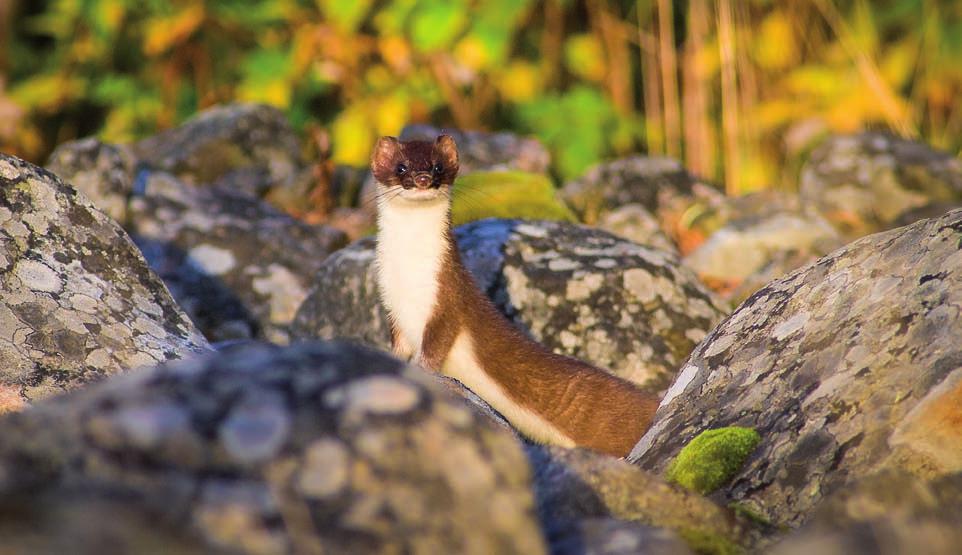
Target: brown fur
[(593, 408)]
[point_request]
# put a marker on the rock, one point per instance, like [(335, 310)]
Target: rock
[(103, 172), (312, 448), (608, 536), (845, 367), (582, 292), (481, 151), (572, 485), (869, 182), (77, 300), (750, 250), (239, 267), (249, 147), (890, 512), (635, 223), (661, 186)]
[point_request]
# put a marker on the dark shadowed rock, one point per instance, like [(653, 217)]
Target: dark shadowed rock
[(103, 172), (572, 485), (845, 367), (239, 267), (77, 300), (662, 186), (872, 181), (583, 292), (249, 147), (311, 448), (609, 536), (889, 513)]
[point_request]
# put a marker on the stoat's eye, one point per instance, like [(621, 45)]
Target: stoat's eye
[(438, 169), (401, 169)]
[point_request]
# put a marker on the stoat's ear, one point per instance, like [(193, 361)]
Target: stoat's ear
[(447, 151), (384, 158)]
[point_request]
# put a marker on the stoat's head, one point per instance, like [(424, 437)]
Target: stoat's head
[(415, 170)]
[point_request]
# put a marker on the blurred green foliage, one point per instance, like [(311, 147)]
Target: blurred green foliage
[(735, 89)]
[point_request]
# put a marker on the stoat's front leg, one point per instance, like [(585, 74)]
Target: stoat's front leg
[(401, 348)]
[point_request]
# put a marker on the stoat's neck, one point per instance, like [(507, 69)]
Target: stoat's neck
[(412, 238)]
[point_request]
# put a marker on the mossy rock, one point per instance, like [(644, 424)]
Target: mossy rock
[(507, 194), (712, 458)]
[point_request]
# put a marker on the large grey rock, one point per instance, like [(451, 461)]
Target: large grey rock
[(312, 448), (661, 186), (874, 181), (848, 366), (762, 239), (101, 171), (573, 485), (239, 267), (250, 147), (582, 292), (887, 513), (77, 300)]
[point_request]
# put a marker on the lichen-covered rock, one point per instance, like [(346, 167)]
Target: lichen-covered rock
[(580, 291), (576, 484), (478, 150), (609, 536), (891, 512), (103, 172), (312, 448), (250, 147), (869, 182), (635, 223), (661, 186), (77, 300), (848, 366), (750, 249), (239, 267)]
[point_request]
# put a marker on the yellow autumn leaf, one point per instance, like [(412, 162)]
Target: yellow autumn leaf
[(519, 82), (775, 46), (390, 115), (164, 32), (352, 137), (471, 53), (584, 57)]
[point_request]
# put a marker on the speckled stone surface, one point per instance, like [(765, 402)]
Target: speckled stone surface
[(874, 181), (101, 171), (239, 267), (845, 367), (662, 186), (891, 512), (318, 447), (583, 292), (77, 300), (572, 485), (761, 239), (250, 147)]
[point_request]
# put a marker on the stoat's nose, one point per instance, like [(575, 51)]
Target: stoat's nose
[(423, 180)]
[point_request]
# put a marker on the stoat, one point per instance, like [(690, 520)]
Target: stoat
[(442, 321)]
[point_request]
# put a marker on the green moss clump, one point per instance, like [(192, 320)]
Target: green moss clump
[(706, 543), (712, 458), (507, 194)]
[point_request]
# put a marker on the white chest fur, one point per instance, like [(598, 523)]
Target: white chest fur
[(410, 247)]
